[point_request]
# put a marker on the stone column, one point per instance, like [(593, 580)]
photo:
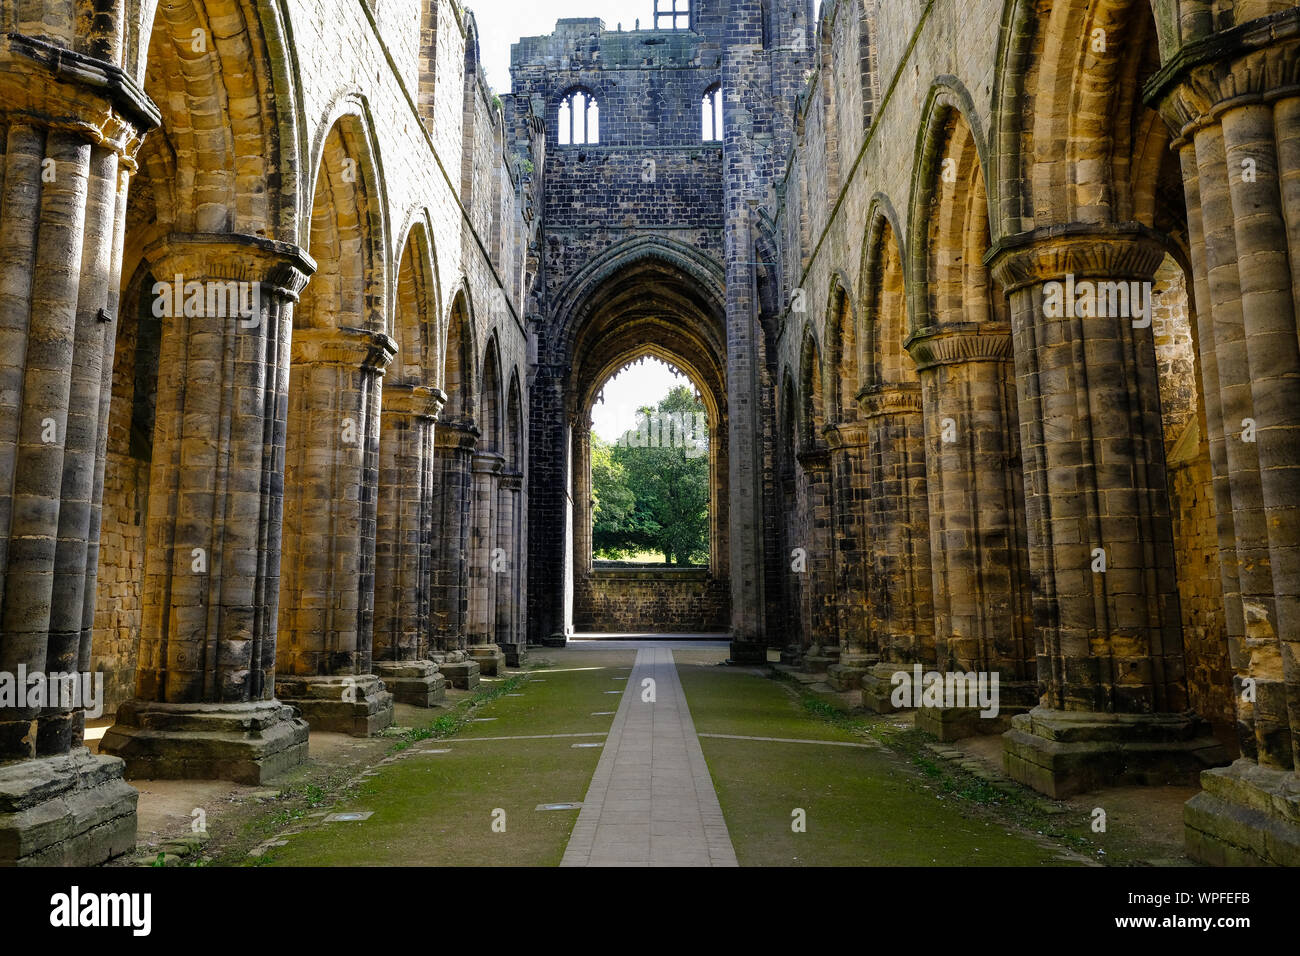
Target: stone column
[(792, 579), (818, 585), (324, 660), (900, 619), (1233, 105), (549, 459), (983, 620), (204, 698), (483, 580), (70, 126), (1107, 625), (749, 635), (850, 467), (404, 545), (454, 444), (508, 635)]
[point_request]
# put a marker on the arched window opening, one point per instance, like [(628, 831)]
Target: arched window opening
[(579, 119), (711, 114), (651, 483)]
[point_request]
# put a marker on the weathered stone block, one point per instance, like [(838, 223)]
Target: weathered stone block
[(247, 743), (463, 675), (359, 706), (489, 658), (413, 682), (1247, 815), (1061, 753), (70, 810)]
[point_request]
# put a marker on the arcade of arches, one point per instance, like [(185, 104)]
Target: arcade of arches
[(992, 306)]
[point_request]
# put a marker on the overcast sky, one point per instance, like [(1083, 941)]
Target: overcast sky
[(503, 22)]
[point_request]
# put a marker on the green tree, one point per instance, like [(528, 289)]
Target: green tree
[(651, 488)]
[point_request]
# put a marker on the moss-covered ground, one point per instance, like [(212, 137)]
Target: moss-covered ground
[(443, 792)]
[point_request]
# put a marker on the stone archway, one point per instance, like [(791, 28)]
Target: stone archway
[(647, 296), (341, 349), (961, 343), (608, 597), (212, 220)]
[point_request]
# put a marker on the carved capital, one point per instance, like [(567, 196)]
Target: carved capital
[(354, 348), (417, 401), (1103, 251), (847, 435), (456, 436), (61, 89), (1255, 62), (281, 268), (488, 463), (959, 344), (881, 400)]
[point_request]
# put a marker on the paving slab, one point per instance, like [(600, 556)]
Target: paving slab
[(651, 801)]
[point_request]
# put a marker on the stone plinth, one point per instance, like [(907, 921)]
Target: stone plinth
[(359, 706), (1061, 753), (73, 809), (463, 675), (413, 682), (1246, 815), (956, 723), (248, 742)]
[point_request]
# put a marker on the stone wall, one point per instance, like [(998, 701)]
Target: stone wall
[(650, 600)]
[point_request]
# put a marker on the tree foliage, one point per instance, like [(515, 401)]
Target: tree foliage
[(654, 498)]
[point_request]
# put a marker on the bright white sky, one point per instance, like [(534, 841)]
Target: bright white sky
[(503, 22), (632, 388)]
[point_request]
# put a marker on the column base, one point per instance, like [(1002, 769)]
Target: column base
[(359, 706), (1061, 753), (955, 723), (847, 673), (558, 639), (878, 688), (413, 682), (70, 810), (246, 742), (748, 653), (792, 655), (1247, 815), (820, 658), (463, 675), (491, 661), (516, 654)]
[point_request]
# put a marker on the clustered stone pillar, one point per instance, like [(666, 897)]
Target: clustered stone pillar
[(1107, 625), (983, 620), (1233, 103), (70, 126), (549, 507), (792, 577), (851, 488), (487, 564), (204, 700), (454, 444), (817, 608), (583, 523), (509, 619), (404, 545), (327, 595), (900, 618)]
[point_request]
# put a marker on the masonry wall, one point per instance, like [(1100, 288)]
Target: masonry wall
[(649, 174), (401, 66), (626, 600)]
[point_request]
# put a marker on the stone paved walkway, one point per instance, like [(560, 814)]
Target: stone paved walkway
[(651, 802)]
